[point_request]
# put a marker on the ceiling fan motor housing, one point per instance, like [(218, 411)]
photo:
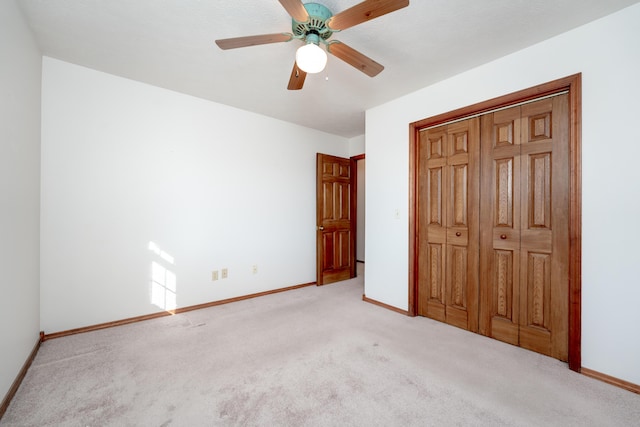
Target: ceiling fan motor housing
[(318, 15)]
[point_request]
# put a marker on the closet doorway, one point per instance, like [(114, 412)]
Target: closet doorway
[(495, 219)]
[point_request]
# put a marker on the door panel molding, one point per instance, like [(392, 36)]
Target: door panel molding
[(539, 129)]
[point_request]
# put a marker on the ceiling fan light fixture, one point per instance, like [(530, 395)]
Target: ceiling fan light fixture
[(311, 58), (313, 23)]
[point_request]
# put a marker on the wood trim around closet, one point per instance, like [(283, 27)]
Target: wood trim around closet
[(573, 86)]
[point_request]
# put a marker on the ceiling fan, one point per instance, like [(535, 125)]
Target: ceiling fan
[(314, 23)]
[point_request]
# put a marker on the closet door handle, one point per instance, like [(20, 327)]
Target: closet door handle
[(458, 233), (503, 236)]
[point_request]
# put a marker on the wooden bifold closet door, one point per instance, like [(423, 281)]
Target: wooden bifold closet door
[(492, 225), (524, 242), (448, 168)]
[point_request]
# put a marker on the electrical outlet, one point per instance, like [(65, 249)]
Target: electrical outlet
[(225, 273), (254, 269), (214, 275)]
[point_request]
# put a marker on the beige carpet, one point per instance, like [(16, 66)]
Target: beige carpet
[(316, 356)]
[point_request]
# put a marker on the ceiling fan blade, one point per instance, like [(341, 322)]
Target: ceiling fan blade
[(365, 11), (354, 58), (297, 78), (237, 42), (296, 9)]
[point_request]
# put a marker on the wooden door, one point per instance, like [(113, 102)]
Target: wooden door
[(335, 219), (448, 188), (530, 186), (524, 249), (544, 245), (500, 230)]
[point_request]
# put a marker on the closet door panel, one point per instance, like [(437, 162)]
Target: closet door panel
[(505, 294), (463, 152), (535, 332), (432, 231), (500, 225), (544, 241), (457, 304), (537, 231), (448, 186)]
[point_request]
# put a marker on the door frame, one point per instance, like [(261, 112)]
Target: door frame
[(354, 166), (573, 86)]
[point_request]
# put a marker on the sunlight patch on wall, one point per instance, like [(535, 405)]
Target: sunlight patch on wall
[(163, 279)]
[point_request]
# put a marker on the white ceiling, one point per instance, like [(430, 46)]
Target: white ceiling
[(170, 43)]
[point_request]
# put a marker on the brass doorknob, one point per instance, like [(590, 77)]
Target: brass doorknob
[(503, 236), (320, 228)]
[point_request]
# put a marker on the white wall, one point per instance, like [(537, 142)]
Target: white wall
[(607, 53), (20, 69), (356, 145), (125, 164)]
